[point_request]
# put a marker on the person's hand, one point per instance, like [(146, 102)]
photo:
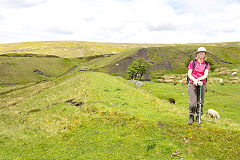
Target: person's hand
[(195, 83), (200, 83)]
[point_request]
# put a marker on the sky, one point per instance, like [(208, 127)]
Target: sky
[(120, 21)]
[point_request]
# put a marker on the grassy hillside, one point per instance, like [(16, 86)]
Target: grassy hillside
[(48, 114), (97, 116), (21, 69), (167, 59), (68, 49), (104, 62), (223, 98)]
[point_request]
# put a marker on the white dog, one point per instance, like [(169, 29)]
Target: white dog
[(214, 114)]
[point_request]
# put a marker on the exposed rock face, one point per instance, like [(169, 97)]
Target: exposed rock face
[(123, 64), (120, 67)]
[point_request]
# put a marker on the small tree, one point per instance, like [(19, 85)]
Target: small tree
[(138, 68), (190, 58), (212, 65)]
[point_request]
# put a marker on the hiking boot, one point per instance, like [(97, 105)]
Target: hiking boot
[(191, 120), (197, 119)]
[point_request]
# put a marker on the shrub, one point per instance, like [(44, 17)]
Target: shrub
[(138, 68)]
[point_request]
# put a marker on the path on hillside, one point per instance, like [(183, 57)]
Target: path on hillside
[(82, 51), (69, 71), (42, 73)]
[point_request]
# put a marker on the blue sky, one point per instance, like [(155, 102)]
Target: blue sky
[(126, 21)]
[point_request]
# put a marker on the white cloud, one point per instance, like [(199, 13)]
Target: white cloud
[(139, 21), (20, 3)]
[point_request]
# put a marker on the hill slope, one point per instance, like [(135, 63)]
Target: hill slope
[(68, 49), (174, 59), (114, 58), (98, 116), (32, 69)]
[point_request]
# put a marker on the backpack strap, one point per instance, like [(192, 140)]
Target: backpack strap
[(194, 64), (206, 63)]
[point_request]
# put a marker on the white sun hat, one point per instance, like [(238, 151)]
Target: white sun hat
[(201, 49)]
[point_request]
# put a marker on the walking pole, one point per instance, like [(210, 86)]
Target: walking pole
[(199, 111)]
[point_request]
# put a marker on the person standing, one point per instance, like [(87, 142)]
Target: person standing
[(197, 72)]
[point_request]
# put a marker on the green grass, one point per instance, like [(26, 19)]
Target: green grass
[(117, 121), (69, 49), (176, 54), (223, 98), (176, 57), (179, 55), (21, 69), (105, 61)]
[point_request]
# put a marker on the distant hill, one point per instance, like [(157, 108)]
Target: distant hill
[(68, 49), (174, 59), (112, 58)]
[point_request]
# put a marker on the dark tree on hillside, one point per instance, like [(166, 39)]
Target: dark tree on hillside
[(138, 68)]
